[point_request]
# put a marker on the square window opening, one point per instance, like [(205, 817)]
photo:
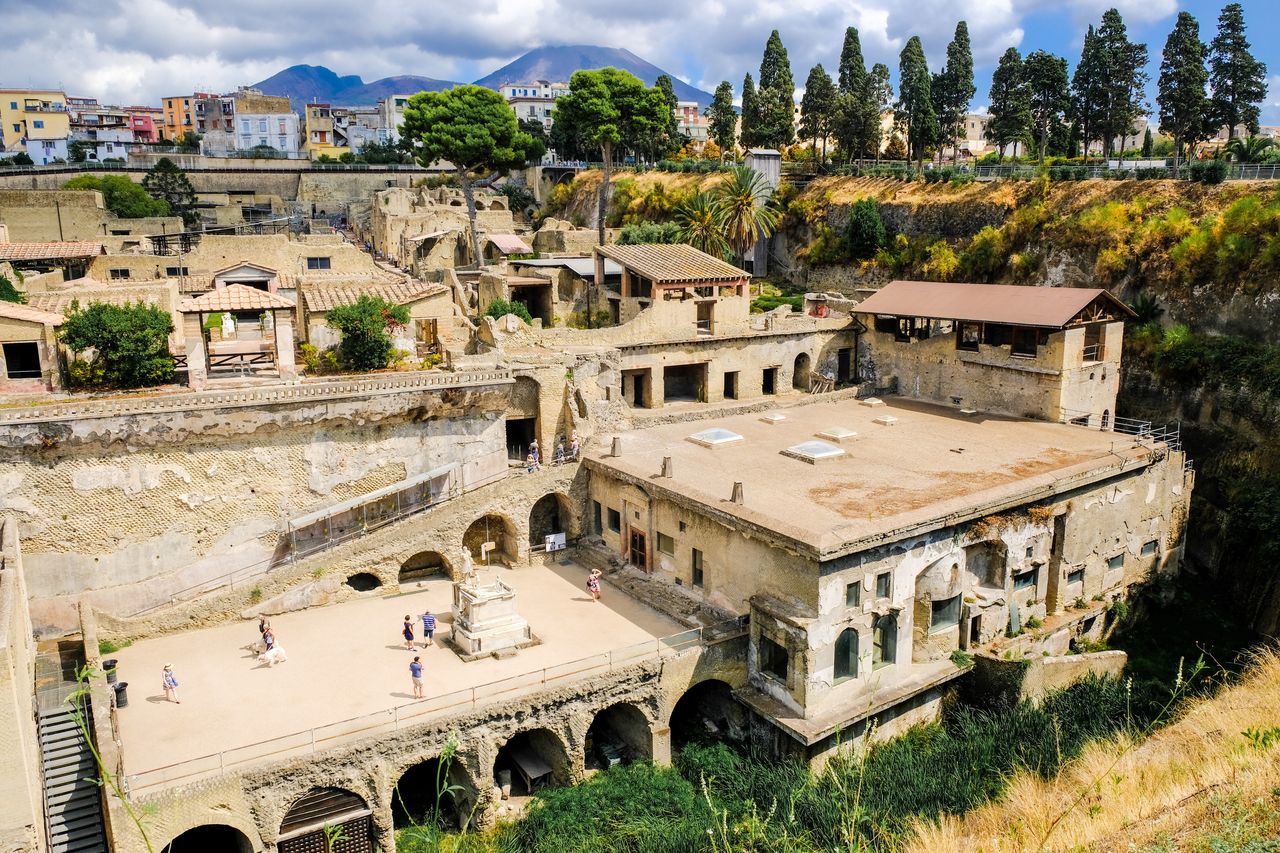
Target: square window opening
[(944, 614), (1026, 580), (1076, 576), (853, 594), (774, 660), (615, 520), (884, 585), (666, 545)]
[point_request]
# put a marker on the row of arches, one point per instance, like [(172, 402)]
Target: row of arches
[(445, 793)]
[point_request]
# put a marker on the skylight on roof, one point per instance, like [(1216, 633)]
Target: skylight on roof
[(813, 451), (838, 434), (715, 437)]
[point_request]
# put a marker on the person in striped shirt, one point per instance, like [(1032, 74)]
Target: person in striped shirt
[(428, 628)]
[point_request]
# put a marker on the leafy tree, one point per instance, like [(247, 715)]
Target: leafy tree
[(474, 129), (700, 225), (747, 211), (1049, 97), (777, 96), (388, 152), (1248, 149), (896, 149), (851, 76), (668, 138), (130, 343), (639, 233), (1238, 79), (500, 308), (78, 151), (606, 108), (189, 143), (952, 90), (1125, 82), (1088, 95), (1010, 104), (167, 182), (865, 234), (818, 107), (750, 114), (879, 99), (723, 127), (121, 196), (1184, 104), (9, 293), (914, 112), (366, 323)]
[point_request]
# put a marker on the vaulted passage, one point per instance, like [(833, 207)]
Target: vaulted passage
[(327, 820), (423, 565), (619, 734), (434, 793), (211, 838), (707, 713), (530, 761)]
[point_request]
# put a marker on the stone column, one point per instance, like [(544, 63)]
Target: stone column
[(284, 346), (197, 359), (661, 747), (51, 359)]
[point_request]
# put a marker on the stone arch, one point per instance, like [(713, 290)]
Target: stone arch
[(801, 371), (537, 757), (707, 712), (619, 733), (302, 827), (492, 527), (430, 794), (213, 837), (423, 565), (524, 422), (551, 513)]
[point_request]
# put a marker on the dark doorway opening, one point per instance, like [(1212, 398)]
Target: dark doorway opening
[(423, 565), (520, 434), (214, 838), (429, 794), (844, 365), (364, 582), (731, 385), (530, 761), (769, 381), (685, 383), (22, 360), (800, 373), (619, 734), (707, 713), (638, 554)]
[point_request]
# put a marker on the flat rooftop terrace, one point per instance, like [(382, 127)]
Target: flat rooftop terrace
[(929, 464), (348, 672)]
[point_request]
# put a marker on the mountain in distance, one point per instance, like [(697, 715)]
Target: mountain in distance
[(557, 64), (303, 84)]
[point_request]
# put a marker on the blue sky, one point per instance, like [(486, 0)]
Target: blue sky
[(138, 51)]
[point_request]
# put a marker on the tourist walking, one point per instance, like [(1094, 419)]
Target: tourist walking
[(559, 457), (269, 638), (530, 463), (408, 632), (535, 452), (428, 628), (573, 448), (415, 673), (593, 583), (171, 685)]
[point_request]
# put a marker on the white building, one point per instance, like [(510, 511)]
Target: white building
[(534, 101), (391, 109)]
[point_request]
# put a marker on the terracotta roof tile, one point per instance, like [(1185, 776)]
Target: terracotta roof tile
[(59, 301), (49, 251), (234, 297), (31, 314), (510, 244), (671, 263), (325, 297)]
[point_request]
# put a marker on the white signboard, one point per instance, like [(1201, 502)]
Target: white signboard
[(555, 542)]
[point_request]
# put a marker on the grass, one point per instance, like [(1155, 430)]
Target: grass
[(106, 647)]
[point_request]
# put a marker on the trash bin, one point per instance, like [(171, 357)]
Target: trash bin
[(109, 667), (122, 694)]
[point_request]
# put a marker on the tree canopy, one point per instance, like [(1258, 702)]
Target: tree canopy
[(953, 89), (751, 137), (365, 326), (130, 344), (777, 95), (1184, 103), (120, 195), (1238, 79), (167, 182), (1010, 121), (471, 127), (914, 112), (723, 124), (1048, 95), (1124, 79), (818, 107)]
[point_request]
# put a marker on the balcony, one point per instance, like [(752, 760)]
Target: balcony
[(43, 107)]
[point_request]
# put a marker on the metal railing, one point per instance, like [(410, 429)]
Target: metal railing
[(1092, 352), (398, 717)]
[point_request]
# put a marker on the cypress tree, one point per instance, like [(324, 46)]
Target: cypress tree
[(818, 107), (1184, 103), (724, 121), (956, 90), (1147, 143), (914, 111), (670, 134), (853, 69), (1125, 80), (750, 114), (879, 98), (1046, 77), (777, 95), (1238, 79), (1088, 98), (1010, 103)]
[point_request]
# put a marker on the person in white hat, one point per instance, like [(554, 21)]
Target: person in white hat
[(171, 684)]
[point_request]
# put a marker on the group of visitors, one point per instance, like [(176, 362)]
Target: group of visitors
[(563, 453), (428, 636)]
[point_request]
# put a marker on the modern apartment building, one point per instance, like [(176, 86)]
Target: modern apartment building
[(34, 121)]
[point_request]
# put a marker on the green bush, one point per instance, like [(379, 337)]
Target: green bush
[(9, 293), (986, 255), (865, 232), (648, 232), (365, 326), (1209, 171), (130, 345), (500, 308), (121, 196)]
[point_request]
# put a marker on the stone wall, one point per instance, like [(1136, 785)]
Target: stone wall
[(21, 799), (135, 507)]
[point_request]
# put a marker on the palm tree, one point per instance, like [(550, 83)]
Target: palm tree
[(1248, 149), (747, 210), (700, 225)]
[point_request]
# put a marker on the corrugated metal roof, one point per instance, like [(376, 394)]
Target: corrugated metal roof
[(672, 263), (509, 244), (328, 297), (429, 235), (30, 314), (581, 267), (1015, 304), (234, 297), (49, 251)]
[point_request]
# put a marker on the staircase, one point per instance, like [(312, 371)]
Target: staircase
[(73, 803)]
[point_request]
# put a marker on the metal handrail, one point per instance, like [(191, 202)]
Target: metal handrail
[(312, 740)]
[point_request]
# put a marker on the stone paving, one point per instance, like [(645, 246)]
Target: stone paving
[(349, 660)]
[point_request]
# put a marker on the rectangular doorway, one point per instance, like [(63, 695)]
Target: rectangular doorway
[(637, 554), (975, 631), (769, 382), (844, 365), (520, 434), (731, 385), (685, 383)]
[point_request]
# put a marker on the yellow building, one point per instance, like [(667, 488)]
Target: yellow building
[(35, 121), (319, 138)]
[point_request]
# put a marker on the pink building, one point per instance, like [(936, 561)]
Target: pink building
[(145, 123)]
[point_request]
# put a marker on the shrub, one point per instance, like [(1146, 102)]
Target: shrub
[(986, 255), (9, 293), (865, 232), (365, 326), (310, 357), (120, 195), (1209, 171), (500, 308), (942, 262), (129, 344), (649, 232)]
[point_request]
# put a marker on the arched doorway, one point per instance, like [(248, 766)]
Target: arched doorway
[(800, 373), (530, 761), (433, 794), (213, 838), (423, 565), (618, 734), (494, 528), (325, 813), (551, 514), (707, 713)]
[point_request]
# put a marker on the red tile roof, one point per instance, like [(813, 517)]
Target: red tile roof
[(234, 297), (14, 311), (49, 251), (1014, 304), (323, 298)]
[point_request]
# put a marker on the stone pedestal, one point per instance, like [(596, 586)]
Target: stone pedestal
[(197, 362), (485, 618)]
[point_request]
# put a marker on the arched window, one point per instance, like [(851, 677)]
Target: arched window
[(847, 654), (884, 648)]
